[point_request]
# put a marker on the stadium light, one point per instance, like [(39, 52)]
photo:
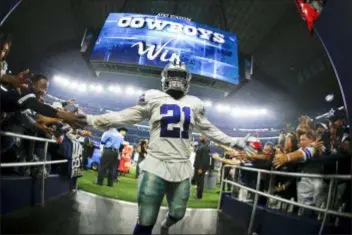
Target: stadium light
[(61, 80), (130, 90), (117, 89), (111, 88), (208, 103), (65, 82), (263, 111), (329, 97), (243, 112), (74, 85), (222, 108), (57, 78), (114, 89), (219, 107), (254, 112), (235, 111), (99, 88), (91, 87), (82, 87), (133, 91)]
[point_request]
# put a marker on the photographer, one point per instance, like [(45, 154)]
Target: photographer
[(201, 165)]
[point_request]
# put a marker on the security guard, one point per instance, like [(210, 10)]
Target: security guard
[(112, 140)]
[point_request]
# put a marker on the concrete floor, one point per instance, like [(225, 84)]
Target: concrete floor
[(86, 213)]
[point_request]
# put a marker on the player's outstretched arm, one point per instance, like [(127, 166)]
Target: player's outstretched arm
[(124, 117), (214, 134)]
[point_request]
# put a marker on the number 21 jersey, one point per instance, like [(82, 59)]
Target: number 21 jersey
[(171, 125)]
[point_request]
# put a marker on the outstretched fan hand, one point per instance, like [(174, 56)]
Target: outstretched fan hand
[(20, 80)]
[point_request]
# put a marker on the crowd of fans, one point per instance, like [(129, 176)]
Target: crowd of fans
[(315, 148), (24, 111)]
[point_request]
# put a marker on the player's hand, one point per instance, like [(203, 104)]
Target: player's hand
[(200, 171), (216, 156), (76, 121)]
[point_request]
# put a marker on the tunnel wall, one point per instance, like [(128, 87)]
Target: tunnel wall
[(20, 192), (334, 30)]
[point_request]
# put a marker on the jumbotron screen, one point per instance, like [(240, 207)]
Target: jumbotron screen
[(154, 41)]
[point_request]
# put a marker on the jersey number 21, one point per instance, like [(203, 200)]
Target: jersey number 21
[(175, 118)]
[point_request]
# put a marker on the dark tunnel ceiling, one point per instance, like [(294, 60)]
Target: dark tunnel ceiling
[(288, 61)]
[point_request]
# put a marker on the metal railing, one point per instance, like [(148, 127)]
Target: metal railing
[(41, 163), (256, 192)]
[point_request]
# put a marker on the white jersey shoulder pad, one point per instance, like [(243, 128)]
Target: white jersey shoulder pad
[(151, 95), (197, 103)]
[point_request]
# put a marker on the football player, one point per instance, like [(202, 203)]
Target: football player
[(172, 116)]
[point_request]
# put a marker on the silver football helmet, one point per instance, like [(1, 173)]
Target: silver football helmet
[(175, 76)]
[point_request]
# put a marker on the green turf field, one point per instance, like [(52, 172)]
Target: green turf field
[(126, 190)]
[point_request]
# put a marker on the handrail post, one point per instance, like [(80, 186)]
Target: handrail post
[(272, 182), (234, 180), (255, 203), (221, 185), (43, 175), (327, 207)]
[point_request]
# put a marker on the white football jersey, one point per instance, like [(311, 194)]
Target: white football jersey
[(171, 124)]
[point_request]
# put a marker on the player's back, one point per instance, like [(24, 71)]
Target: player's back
[(171, 122)]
